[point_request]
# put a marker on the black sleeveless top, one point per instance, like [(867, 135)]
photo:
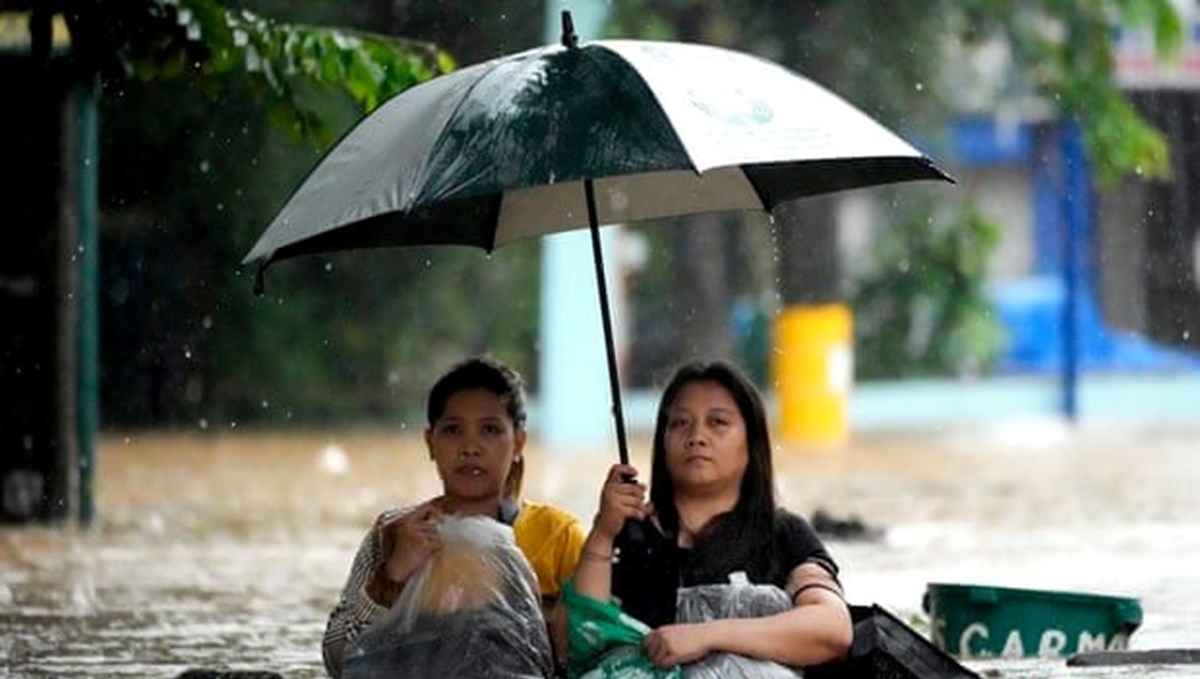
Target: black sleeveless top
[(646, 575)]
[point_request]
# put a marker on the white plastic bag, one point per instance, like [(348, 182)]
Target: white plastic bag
[(471, 611), (739, 599)]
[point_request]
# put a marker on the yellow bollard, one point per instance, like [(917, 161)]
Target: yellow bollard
[(813, 370)]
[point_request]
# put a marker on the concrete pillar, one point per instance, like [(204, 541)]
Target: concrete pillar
[(574, 405)]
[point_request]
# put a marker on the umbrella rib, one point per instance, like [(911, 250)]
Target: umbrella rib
[(436, 146), (758, 192), (657, 102)]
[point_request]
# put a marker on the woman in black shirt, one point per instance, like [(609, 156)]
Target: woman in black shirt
[(712, 513)]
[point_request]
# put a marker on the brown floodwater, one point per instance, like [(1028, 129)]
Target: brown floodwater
[(228, 549)]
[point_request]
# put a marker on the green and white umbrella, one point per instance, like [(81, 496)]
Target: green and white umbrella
[(578, 135)]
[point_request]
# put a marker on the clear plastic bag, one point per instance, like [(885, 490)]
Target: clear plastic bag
[(739, 599), (471, 611)]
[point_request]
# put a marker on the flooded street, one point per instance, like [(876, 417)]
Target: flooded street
[(229, 549)]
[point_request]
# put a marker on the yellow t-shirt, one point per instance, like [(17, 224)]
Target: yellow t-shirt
[(552, 541)]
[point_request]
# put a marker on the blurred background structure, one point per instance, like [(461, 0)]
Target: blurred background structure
[(1059, 279)]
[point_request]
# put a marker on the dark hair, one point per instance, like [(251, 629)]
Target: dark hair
[(733, 540), (484, 372)]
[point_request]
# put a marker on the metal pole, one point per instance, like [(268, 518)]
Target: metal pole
[(1074, 197), (88, 263)]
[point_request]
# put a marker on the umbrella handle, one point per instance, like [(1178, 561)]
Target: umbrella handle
[(632, 532), (614, 380)]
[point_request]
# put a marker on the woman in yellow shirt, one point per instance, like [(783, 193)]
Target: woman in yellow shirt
[(476, 436)]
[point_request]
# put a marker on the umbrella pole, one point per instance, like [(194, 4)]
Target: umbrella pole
[(610, 345)]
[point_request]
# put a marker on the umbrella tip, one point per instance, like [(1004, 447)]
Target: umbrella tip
[(259, 282), (569, 39)]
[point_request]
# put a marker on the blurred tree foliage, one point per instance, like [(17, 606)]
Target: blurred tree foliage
[(912, 65), (921, 308), (195, 161), (212, 112), (906, 62)]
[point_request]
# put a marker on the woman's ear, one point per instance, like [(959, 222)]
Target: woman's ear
[(519, 438)]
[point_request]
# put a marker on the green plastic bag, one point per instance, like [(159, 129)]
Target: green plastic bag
[(604, 643)]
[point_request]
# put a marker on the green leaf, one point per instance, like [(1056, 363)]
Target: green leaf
[(169, 39)]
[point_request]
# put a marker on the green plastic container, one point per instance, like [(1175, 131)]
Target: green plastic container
[(980, 621)]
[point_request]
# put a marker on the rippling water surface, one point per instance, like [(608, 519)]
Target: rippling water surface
[(228, 550)]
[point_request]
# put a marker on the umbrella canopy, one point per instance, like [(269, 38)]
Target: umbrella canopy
[(571, 136)]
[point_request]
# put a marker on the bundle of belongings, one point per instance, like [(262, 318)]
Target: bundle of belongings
[(606, 643), (471, 611), (738, 599)]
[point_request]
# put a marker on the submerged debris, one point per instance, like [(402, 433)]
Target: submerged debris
[(849, 528)]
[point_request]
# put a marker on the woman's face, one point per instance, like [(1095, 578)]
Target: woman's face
[(705, 441), (474, 444)]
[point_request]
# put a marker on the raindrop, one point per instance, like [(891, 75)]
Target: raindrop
[(155, 524), (203, 423), (1187, 335), (428, 263), (83, 593), (220, 207), (904, 265), (619, 201), (119, 291), (233, 424), (207, 322), (266, 404), (334, 460), (193, 391), (80, 249), (187, 353), (329, 266), (288, 415), (204, 166), (128, 441), (393, 377), (193, 32), (920, 87)]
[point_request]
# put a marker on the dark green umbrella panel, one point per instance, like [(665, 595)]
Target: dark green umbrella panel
[(498, 152)]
